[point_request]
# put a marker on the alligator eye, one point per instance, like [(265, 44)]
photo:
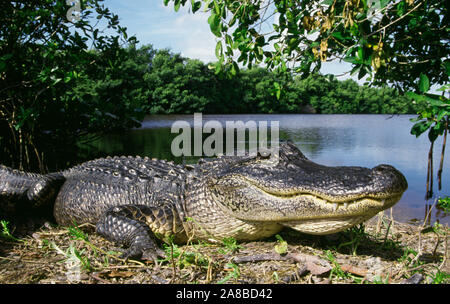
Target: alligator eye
[(383, 168), (265, 155), (189, 167)]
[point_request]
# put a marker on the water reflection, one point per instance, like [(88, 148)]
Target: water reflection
[(351, 140)]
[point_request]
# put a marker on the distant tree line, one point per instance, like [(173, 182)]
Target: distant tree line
[(171, 84)]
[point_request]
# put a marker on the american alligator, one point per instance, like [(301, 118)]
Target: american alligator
[(133, 201)]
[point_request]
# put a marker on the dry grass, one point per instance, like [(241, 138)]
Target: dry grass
[(378, 252)]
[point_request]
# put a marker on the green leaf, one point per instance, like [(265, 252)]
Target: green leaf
[(260, 41), (277, 47), (362, 73), (214, 24), (340, 36), (424, 83), (218, 67), (219, 49), (360, 53), (277, 90), (420, 127), (234, 69), (353, 60), (6, 57), (426, 98), (177, 6), (401, 8), (216, 8), (259, 53), (442, 114), (327, 2), (196, 5), (383, 3), (281, 246), (436, 102), (435, 132), (447, 67)]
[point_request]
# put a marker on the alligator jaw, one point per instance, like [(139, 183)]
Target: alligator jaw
[(343, 207), (342, 215)]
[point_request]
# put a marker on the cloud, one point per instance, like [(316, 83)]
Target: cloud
[(153, 23), (186, 33), (193, 36)]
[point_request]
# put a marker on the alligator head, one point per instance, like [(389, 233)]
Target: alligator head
[(293, 191)]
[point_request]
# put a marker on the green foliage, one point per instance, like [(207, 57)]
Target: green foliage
[(434, 118), (281, 246), (440, 277), (434, 115), (177, 85), (61, 80), (74, 256), (391, 42), (230, 245), (336, 271), (234, 274), (444, 203), (357, 233), (435, 228), (183, 258), (328, 95), (409, 258), (5, 233), (77, 234)]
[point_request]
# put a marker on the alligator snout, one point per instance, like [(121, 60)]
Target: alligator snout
[(388, 178)]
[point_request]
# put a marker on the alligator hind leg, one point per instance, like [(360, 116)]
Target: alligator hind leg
[(136, 227)]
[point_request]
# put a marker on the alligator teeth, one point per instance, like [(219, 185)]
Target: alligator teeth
[(345, 205), (335, 206)]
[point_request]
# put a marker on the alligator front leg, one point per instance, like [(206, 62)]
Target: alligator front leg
[(136, 227)]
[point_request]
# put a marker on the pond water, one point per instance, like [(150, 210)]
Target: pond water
[(349, 140)]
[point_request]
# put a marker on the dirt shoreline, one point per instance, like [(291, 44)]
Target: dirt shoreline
[(380, 251)]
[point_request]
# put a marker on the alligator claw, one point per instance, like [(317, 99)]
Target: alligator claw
[(138, 251), (153, 254)]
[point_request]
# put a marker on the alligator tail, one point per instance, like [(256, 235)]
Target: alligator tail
[(29, 188)]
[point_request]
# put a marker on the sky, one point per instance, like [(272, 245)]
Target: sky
[(182, 32)]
